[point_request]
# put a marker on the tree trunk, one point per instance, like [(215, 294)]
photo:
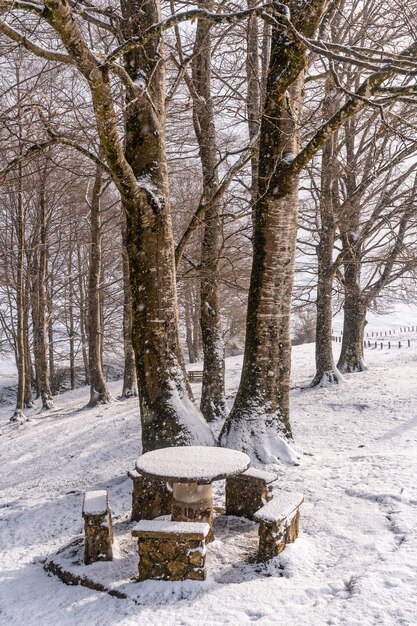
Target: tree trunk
[(213, 400), (351, 355), (71, 326), (167, 412), (253, 93), (326, 371), (40, 347), (259, 422), (130, 383), (354, 321), (50, 291), (189, 325), (99, 393), (83, 317), (29, 377), (18, 414)]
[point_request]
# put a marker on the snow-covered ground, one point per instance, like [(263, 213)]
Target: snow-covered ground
[(355, 562)]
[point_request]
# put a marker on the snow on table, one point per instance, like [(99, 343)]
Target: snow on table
[(171, 528), (201, 464), (95, 502)]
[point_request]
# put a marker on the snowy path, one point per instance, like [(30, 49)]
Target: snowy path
[(355, 562)]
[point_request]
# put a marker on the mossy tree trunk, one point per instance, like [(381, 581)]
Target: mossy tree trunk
[(167, 411)]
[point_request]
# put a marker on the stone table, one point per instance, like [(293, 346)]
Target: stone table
[(192, 470)]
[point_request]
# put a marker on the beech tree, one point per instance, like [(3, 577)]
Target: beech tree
[(259, 419)]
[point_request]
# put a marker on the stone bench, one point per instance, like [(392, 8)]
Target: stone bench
[(248, 492), (195, 376), (97, 527), (171, 550), (278, 524), (150, 498)]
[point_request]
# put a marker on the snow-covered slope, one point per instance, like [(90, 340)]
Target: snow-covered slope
[(355, 562)]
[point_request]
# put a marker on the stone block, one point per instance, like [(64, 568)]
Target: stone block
[(171, 550), (248, 492), (98, 527), (150, 498), (278, 524)]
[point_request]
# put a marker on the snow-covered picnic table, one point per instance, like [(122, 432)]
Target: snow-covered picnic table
[(192, 469), (199, 464)]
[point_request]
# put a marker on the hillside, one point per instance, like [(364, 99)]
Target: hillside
[(355, 560)]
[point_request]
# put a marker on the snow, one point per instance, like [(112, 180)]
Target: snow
[(255, 472), (149, 186), (95, 502), (192, 422), (354, 563), (141, 80), (202, 464), (281, 506), (166, 526)]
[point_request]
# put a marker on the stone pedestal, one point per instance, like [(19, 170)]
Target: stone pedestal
[(193, 502), (171, 550), (97, 527), (248, 492), (150, 498)]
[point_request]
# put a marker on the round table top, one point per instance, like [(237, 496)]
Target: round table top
[(200, 464)]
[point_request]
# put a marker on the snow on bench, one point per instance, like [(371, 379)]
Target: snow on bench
[(97, 527), (259, 474), (95, 503), (282, 506), (279, 524), (171, 550)]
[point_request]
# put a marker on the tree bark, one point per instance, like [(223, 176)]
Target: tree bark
[(213, 399), (253, 94), (130, 383), (99, 393), (259, 422)]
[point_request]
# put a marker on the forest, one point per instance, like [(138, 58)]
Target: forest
[(169, 169)]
